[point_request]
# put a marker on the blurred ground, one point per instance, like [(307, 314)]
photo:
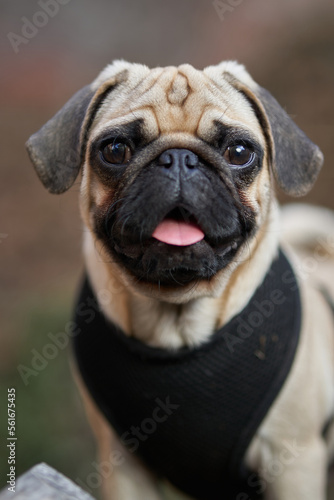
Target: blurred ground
[(287, 46)]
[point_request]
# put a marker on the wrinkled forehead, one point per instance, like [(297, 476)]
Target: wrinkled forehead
[(176, 99)]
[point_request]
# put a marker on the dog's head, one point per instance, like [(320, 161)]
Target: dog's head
[(176, 166)]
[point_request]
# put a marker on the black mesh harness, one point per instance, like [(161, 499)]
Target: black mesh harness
[(190, 414)]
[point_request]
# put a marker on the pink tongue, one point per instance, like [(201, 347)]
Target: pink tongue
[(178, 233)]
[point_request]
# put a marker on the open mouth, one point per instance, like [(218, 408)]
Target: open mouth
[(178, 228), (183, 247)]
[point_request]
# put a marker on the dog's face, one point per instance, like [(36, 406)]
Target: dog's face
[(177, 167), (173, 173)]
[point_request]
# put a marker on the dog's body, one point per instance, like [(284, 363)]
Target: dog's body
[(181, 228)]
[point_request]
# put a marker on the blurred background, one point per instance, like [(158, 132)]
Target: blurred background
[(51, 48)]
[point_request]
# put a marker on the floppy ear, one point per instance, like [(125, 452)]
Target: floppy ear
[(56, 150), (296, 160)]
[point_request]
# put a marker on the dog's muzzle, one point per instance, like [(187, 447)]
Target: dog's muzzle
[(182, 231), (177, 221)]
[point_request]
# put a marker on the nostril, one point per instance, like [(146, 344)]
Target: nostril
[(191, 161), (165, 159)]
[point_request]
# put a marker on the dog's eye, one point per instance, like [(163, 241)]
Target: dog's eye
[(238, 155), (116, 153)]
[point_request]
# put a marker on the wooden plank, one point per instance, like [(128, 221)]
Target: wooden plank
[(42, 482)]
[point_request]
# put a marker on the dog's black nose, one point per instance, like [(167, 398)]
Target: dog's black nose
[(178, 160)]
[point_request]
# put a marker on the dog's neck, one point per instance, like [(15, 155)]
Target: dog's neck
[(165, 324)]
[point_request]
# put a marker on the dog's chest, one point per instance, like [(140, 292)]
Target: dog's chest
[(191, 414)]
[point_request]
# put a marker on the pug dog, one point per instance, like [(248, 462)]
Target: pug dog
[(204, 343)]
